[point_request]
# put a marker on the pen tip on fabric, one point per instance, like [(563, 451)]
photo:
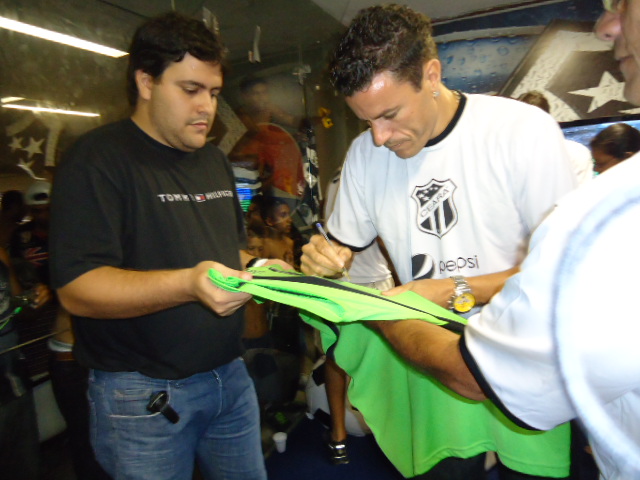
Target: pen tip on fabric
[(345, 272)]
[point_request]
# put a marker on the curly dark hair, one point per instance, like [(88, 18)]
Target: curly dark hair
[(382, 38), (619, 140), (168, 38)]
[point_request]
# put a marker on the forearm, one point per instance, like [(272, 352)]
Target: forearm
[(433, 349), (441, 290), (108, 292), (484, 287)]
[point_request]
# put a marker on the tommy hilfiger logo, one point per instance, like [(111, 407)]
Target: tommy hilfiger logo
[(437, 213), (194, 197)]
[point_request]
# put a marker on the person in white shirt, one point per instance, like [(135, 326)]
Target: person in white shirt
[(452, 183), (579, 155), (560, 340)]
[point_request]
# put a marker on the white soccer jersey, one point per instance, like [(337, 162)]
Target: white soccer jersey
[(368, 266), (463, 206), (562, 336)]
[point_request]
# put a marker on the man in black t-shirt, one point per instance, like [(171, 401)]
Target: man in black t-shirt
[(142, 209)]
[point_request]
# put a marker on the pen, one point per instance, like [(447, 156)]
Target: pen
[(326, 237)]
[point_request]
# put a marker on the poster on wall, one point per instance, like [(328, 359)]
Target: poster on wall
[(265, 132), (575, 71)]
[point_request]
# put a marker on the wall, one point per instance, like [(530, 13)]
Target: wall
[(480, 53)]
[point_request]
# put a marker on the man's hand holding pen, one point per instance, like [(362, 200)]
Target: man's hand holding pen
[(325, 258)]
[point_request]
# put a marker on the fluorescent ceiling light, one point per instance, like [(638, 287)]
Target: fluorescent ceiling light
[(59, 38), (51, 110), (10, 99)]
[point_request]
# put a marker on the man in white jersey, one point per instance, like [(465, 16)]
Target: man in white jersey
[(452, 183), (560, 340)]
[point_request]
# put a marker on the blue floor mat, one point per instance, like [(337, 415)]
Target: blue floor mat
[(306, 458)]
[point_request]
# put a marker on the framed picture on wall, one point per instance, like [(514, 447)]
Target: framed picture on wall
[(575, 71)]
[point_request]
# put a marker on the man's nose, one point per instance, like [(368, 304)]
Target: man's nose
[(207, 104), (380, 133), (608, 27)]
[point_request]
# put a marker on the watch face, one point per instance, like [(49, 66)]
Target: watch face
[(464, 302)]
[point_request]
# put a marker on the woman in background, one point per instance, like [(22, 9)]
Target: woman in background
[(613, 145)]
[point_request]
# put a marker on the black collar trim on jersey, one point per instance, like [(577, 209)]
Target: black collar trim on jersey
[(351, 247), (452, 123)]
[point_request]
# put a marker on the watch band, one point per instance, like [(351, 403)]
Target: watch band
[(256, 262), (461, 285)]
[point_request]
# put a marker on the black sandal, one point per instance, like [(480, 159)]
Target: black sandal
[(337, 450)]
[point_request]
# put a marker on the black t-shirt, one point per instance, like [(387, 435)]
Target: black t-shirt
[(122, 199)]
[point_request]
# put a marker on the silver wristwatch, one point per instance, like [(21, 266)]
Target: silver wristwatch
[(463, 299)]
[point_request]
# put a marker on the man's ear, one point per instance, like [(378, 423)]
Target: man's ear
[(144, 82), (432, 74)]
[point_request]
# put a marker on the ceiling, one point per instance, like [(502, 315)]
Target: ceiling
[(438, 10), (37, 69), (285, 25)]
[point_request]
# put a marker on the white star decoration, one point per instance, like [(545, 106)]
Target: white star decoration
[(608, 90), (16, 144), (563, 44), (34, 147)]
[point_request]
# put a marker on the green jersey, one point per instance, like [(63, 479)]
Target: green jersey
[(416, 420)]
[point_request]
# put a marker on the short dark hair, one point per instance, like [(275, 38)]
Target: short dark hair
[(268, 207), (382, 38), (537, 99), (166, 39), (619, 140)]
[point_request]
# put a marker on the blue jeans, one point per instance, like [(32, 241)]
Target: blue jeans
[(219, 426)]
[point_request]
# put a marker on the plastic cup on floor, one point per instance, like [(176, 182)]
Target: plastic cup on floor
[(280, 439)]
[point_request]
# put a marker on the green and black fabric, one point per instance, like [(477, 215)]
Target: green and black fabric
[(337, 301), (410, 413)]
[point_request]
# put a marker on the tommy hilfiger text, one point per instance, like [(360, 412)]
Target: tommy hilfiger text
[(194, 197)]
